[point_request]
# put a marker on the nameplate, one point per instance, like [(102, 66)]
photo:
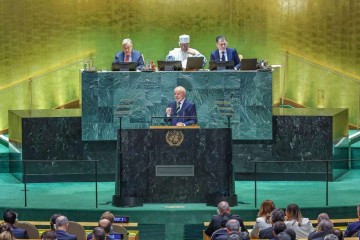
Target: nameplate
[(174, 171)]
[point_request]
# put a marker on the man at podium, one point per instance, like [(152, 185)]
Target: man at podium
[(181, 112)]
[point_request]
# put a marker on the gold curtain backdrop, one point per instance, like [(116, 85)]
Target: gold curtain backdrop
[(45, 41)]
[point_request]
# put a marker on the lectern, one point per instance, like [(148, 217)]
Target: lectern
[(174, 165)]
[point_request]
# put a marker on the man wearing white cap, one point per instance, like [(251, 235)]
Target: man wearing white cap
[(182, 53)]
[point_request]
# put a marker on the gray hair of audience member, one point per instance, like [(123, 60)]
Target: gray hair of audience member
[(106, 225), (358, 208), (48, 235), (279, 227), (277, 215), (222, 206), (6, 235), (61, 221), (283, 236), (322, 216), (99, 233), (291, 233), (331, 237), (233, 225), (326, 226)]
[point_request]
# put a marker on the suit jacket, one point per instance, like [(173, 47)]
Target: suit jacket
[(135, 57), (19, 233), (216, 220), (266, 233), (62, 235), (352, 229), (231, 53), (318, 235), (188, 110)]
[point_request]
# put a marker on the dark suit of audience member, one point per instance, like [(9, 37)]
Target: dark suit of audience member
[(182, 108), (62, 224), (10, 217), (324, 228), (276, 216), (129, 55), (354, 227), (223, 53), (224, 211)]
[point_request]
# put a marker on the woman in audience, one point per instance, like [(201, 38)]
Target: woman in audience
[(294, 220), (263, 218)]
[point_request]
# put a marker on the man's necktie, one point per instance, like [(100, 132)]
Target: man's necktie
[(223, 56), (177, 107), (127, 58)]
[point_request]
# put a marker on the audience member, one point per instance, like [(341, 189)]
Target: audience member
[(98, 233), (282, 236), (221, 231), (278, 227), (302, 226), (331, 237), (275, 216), (322, 216), (223, 53), (263, 218), (129, 55), (53, 221), (7, 235), (291, 233), (324, 228), (107, 226), (62, 224), (48, 235), (339, 234), (223, 210), (10, 217), (182, 53), (353, 228)]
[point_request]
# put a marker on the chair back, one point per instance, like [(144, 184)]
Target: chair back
[(77, 229), (31, 230), (121, 230)]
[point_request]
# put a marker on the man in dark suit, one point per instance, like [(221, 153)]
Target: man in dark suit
[(354, 227), (182, 109), (62, 224), (129, 55), (223, 210), (223, 53), (10, 217), (324, 228)]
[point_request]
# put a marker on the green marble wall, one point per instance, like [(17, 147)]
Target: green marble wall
[(38, 37)]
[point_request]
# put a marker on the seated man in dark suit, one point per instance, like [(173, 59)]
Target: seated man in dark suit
[(98, 233), (354, 227), (324, 228), (129, 55), (223, 53), (223, 210), (62, 224), (182, 109), (276, 216), (10, 217)]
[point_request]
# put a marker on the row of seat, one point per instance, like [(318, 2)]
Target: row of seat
[(77, 228)]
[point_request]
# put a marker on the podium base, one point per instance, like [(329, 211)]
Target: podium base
[(119, 201), (214, 199)]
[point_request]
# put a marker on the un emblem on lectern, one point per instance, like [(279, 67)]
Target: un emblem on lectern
[(174, 138)]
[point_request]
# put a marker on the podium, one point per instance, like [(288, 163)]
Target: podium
[(174, 165)]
